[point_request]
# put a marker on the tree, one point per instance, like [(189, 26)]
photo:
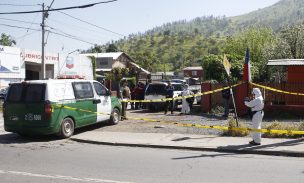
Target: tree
[(95, 49), (116, 75), (7, 40), (289, 45), (258, 40), (93, 61), (292, 37), (112, 48), (213, 68), (147, 60)]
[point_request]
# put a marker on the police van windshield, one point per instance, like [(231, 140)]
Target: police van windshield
[(29, 93)]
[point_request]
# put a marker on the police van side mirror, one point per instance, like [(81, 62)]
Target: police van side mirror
[(96, 101)]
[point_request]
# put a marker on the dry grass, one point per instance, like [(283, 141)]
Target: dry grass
[(233, 133), (283, 126)]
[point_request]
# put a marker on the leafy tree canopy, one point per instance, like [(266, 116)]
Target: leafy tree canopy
[(7, 40)]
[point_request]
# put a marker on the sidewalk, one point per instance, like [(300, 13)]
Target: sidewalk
[(279, 147)]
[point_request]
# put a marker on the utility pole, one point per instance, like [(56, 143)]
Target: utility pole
[(42, 76), (45, 14)]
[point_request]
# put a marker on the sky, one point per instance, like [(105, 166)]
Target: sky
[(107, 22)]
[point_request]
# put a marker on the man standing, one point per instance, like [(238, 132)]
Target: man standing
[(256, 105), (126, 95), (169, 94)]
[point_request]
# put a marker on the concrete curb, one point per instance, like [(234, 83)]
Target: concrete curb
[(210, 149)]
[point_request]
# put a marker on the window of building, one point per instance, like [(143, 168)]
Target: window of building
[(103, 62), (194, 73)]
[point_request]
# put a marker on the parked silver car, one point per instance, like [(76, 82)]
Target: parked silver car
[(158, 91)]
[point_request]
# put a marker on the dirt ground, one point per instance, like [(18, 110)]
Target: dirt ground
[(197, 117)]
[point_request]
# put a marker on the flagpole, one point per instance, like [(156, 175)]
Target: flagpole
[(227, 67), (233, 101)]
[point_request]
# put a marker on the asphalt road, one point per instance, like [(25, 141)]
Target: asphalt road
[(48, 159)]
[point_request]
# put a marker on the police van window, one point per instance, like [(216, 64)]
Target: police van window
[(83, 90), (100, 89), (26, 92), (34, 93), (15, 93)]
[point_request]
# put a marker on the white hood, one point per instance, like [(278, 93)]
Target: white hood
[(257, 103), (257, 92)]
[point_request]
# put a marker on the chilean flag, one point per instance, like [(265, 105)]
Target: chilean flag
[(247, 66)]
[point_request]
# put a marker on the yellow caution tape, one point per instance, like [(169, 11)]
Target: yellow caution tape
[(182, 97), (271, 131), (77, 109), (276, 90), (292, 132)]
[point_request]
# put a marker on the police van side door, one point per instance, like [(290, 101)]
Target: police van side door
[(85, 112), (104, 107)]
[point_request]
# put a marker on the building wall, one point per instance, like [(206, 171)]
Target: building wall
[(18, 64), (295, 73), (12, 67), (118, 64), (104, 63), (121, 61), (193, 73)]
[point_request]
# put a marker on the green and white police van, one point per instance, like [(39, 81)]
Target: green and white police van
[(44, 107)]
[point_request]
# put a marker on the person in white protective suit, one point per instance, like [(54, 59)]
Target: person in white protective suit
[(186, 102), (256, 105)]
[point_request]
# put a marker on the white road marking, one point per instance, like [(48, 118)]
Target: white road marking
[(60, 177)]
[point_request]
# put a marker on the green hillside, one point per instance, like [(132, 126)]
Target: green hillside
[(203, 40), (283, 13)]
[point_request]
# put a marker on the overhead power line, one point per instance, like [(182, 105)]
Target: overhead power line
[(19, 21), (19, 27), (7, 4), (83, 29), (71, 37), (28, 34), (64, 34), (68, 35), (91, 24), (57, 9)]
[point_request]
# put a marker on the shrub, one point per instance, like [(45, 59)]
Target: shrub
[(234, 133), (281, 126), (217, 110), (301, 126)]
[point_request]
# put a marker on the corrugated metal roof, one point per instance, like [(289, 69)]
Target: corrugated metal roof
[(286, 62), (193, 68), (113, 55), (142, 69)]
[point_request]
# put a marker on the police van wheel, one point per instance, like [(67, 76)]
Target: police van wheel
[(115, 116), (67, 128)]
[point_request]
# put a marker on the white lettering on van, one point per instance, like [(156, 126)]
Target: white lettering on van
[(37, 117), (32, 117)]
